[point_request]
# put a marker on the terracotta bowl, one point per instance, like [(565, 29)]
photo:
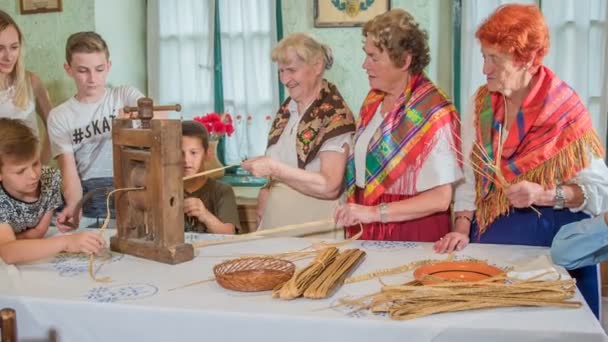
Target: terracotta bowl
[(464, 271)]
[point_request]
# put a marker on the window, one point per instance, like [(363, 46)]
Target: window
[(249, 77), (182, 44), (180, 54)]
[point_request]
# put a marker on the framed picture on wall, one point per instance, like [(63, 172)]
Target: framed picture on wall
[(39, 6), (345, 13)]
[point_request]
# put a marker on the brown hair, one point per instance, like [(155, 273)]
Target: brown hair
[(308, 49), (194, 129), (85, 42), (398, 33), (17, 141), (18, 76)]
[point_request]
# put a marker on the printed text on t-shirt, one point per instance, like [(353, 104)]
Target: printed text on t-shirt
[(96, 127)]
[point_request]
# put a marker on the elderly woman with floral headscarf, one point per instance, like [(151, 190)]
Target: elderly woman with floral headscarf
[(308, 143), (400, 174), (550, 168)]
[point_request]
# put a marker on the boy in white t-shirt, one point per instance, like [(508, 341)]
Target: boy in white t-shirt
[(81, 128)]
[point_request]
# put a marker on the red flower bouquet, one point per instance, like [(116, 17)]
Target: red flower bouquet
[(217, 124)]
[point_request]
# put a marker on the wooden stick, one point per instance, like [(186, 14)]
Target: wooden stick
[(484, 159), (476, 168), (204, 173), (192, 284), (262, 233), (164, 108), (499, 180)]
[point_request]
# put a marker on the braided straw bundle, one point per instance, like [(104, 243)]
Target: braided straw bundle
[(333, 275), (300, 281), (405, 302), (399, 269)]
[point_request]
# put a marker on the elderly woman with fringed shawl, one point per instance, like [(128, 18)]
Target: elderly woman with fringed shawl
[(550, 168), (400, 174), (308, 143)]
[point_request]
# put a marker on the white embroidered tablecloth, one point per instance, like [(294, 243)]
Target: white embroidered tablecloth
[(137, 306)]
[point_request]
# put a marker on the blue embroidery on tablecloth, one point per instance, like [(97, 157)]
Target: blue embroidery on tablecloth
[(388, 246), (120, 292), (71, 265)]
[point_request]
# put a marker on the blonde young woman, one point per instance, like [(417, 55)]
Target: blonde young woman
[(22, 94), (309, 140)]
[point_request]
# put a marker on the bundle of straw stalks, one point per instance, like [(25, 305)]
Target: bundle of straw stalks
[(333, 276), (410, 301), (322, 277), (300, 281)]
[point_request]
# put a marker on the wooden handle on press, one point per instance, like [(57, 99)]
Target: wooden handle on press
[(166, 108)]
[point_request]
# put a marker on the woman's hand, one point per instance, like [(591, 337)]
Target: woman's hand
[(350, 214), (260, 166), (524, 194), (450, 242)]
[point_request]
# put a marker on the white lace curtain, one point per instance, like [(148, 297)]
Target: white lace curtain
[(577, 55), (249, 78), (181, 65), (180, 54)]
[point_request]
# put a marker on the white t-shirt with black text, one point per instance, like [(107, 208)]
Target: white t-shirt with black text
[(85, 130)]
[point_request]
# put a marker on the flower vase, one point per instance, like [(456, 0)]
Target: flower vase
[(212, 161)]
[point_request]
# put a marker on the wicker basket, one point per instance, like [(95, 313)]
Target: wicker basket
[(253, 274)]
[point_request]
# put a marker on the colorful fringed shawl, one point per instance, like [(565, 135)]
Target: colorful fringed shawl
[(327, 117), (547, 144), (406, 136)]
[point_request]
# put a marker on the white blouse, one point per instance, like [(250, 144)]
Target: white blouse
[(9, 110), (593, 179), (439, 168), (285, 148)]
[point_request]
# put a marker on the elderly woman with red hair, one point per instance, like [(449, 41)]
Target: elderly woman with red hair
[(533, 160)]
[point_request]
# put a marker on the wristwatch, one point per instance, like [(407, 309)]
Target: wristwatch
[(560, 198)]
